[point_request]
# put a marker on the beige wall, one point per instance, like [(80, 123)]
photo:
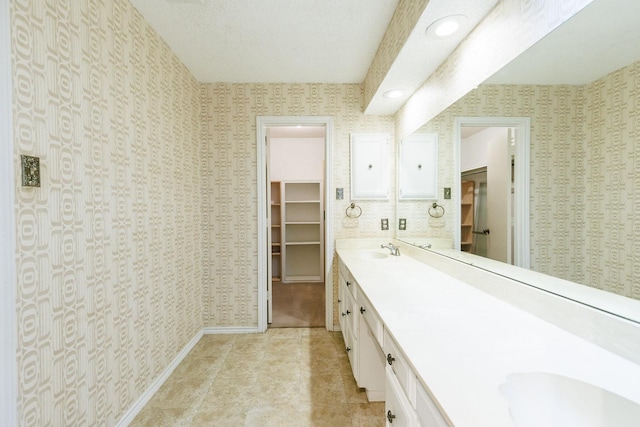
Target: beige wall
[(584, 174), (611, 183), (108, 249), (231, 231)]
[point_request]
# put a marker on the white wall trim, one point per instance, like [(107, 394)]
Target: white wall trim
[(8, 322), (522, 255), (262, 122), (135, 409), (229, 330)]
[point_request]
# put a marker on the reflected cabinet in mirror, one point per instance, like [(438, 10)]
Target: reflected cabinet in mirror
[(418, 167), (579, 87)]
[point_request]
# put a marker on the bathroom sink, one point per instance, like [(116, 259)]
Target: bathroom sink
[(545, 399), (372, 255)]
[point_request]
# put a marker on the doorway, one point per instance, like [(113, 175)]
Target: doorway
[(295, 172), (305, 265), (486, 164), (491, 158)]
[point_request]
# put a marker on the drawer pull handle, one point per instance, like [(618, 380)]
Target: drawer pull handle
[(343, 314), (362, 310), (348, 349), (348, 283), (390, 416), (390, 359), (339, 300), (348, 312)]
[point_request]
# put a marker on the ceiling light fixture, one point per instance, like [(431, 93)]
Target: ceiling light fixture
[(447, 26), (393, 94)]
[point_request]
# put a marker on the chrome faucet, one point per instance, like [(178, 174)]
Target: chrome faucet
[(395, 251)]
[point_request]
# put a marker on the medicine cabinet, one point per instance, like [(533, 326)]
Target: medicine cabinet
[(418, 167), (370, 169)]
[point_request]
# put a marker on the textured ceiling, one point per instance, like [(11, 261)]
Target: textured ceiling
[(323, 41)]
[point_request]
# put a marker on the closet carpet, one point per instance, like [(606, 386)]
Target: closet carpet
[(286, 377), (298, 305)]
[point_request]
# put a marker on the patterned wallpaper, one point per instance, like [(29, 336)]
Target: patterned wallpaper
[(612, 182), (108, 249), (230, 234), (584, 174), (403, 21)]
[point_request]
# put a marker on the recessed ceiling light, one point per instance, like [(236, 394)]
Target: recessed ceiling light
[(447, 26), (392, 94)]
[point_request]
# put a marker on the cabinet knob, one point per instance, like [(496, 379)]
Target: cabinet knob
[(348, 283), (362, 310), (339, 300), (348, 312), (390, 359), (348, 349), (390, 416), (343, 314)]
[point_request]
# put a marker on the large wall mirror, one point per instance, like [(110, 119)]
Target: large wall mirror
[(580, 88)]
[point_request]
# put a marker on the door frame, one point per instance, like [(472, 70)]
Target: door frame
[(262, 122), (522, 236), (8, 303)]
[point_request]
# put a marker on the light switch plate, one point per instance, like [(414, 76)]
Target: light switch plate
[(447, 193), (30, 171), (402, 224), (384, 224)]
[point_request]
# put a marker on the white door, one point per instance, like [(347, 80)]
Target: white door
[(498, 197)]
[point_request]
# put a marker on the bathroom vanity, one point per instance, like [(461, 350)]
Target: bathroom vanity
[(447, 344)]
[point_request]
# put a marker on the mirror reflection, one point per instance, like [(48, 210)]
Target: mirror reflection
[(580, 88)]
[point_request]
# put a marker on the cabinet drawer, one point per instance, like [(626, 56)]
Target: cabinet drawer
[(371, 317), (347, 279), (342, 303), (351, 313), (351, 347), (426, 410), (397, 408), (398, 364)]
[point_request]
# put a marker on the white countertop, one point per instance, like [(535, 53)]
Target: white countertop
[(463, 343)]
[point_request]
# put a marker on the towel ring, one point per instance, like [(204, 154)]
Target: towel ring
[(436, 210), (352, 209)]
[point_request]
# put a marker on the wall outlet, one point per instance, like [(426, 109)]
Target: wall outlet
[(339, 193), (447, 193), (384, 224), (402, 224)]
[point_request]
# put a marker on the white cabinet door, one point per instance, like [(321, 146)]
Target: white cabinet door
[(397, 408), (370, 363), (400, 367), (426, 410)]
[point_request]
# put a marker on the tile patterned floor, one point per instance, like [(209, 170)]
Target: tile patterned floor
[(285, 377)]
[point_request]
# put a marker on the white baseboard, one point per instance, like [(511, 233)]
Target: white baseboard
[(230, 330), (153, 388)]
